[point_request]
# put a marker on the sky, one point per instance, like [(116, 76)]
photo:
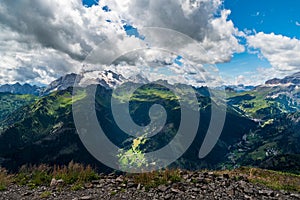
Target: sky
[(279, 17), (249, 41)]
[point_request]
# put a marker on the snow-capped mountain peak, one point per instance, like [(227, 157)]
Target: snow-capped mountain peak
[(106, 78)]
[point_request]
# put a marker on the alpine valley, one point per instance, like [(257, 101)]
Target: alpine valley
[(261, 129)]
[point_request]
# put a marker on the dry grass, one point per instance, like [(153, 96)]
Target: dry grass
[(156, 178), (33, 175), (272, 179), (73, 174)]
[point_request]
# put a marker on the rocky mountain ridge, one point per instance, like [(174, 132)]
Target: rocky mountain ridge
[(110, 79), (107, 79), (17, 88), (293, 79)]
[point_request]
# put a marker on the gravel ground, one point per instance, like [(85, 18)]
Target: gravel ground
[(194, 185)]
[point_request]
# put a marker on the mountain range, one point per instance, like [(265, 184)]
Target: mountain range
[(107, 79), (294, 80), (261, 127), (17, 88)]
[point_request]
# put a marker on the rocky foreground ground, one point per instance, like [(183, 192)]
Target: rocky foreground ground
[(192, 185)]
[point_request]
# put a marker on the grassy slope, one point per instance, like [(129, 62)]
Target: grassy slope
[(259, 106), (50, 113), (39, 119), (11, 102), (277, 136), (272, 179)]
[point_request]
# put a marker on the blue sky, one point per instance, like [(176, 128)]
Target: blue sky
[(276, 16), (279, 17), (89, 3)]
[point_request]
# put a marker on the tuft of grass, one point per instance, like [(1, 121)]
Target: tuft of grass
[(34, 176), (75, 173), (156, 178), (77, 186), (5, 179), (45, 194)]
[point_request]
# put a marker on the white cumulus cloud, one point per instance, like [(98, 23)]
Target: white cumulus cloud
[(43, 39), (282, 52), (202, 20), (47, 38)]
